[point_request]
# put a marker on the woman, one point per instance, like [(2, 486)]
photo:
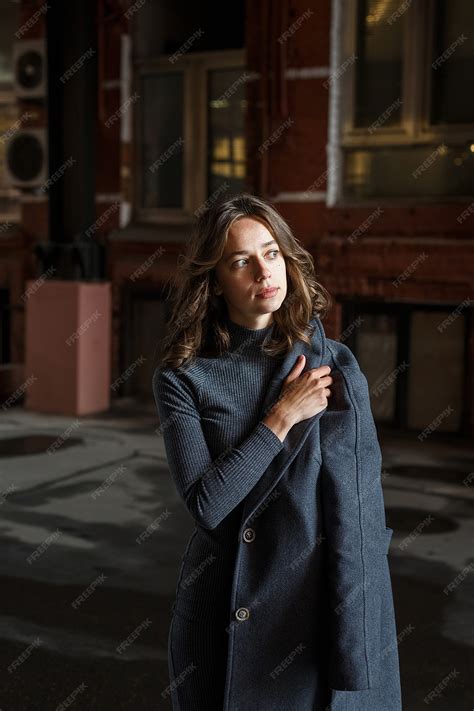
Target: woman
[(241, 419)]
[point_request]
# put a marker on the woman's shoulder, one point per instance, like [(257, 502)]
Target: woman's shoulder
[(342, 354), (346, 368), (187, 379)]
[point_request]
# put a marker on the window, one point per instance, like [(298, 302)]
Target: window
[(402, 349), (9, 196), (190, 133), (401, 87)]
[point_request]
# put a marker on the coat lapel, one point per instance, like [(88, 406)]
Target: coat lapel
[(315, 355)]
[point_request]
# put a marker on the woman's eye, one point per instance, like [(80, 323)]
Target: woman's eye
[(237, 263)]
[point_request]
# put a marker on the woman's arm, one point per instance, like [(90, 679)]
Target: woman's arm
[(210, 489)]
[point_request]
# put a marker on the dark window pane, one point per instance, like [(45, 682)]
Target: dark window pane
[(167, 27), (376, 345), (453, 62), (162, 138), (226, 141), (409, 172), (379, 66), (436, 346)]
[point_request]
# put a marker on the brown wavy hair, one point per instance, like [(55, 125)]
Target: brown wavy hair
[(196, 326)]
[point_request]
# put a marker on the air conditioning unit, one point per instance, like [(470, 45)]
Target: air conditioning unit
[(26, 158), (29, 69)]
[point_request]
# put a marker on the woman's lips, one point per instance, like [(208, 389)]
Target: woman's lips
[(268, 293)]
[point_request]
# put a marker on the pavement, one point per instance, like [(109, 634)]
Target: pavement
[(93, 533)]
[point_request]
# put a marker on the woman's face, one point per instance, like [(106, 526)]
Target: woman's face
[(252, 261)]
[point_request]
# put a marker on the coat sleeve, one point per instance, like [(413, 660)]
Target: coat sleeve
[(210, 489), (354, 521)]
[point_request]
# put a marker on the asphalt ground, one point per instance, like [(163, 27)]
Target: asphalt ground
[(92, 536)]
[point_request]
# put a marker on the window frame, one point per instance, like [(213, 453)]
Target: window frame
[(414, 129), (195, 67)]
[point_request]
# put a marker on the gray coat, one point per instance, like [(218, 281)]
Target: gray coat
[(311, 588)]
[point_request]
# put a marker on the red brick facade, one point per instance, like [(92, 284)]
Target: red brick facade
[(364, 268)]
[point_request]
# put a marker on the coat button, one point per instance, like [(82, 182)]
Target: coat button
[(249, 535), (242, 614)]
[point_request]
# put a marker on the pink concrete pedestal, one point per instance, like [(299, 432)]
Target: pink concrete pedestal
[(67, 346)]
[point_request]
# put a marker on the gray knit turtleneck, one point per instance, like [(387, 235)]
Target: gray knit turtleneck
[(217, 450)]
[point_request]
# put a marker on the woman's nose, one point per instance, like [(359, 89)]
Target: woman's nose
[(263, 271)]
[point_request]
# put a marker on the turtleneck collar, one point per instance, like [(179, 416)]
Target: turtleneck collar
[(243, 336)]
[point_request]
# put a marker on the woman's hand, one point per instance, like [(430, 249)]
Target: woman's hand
[(302, 395)]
